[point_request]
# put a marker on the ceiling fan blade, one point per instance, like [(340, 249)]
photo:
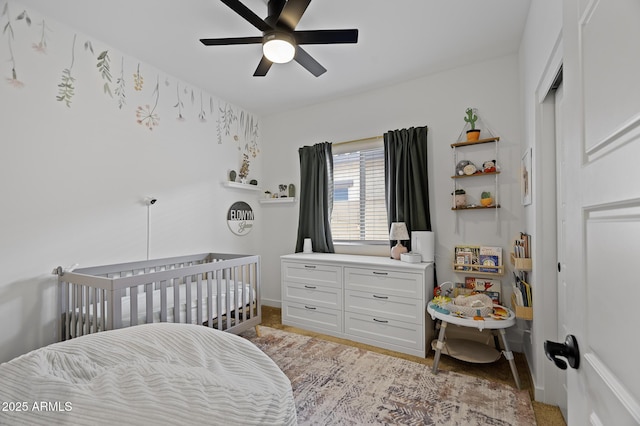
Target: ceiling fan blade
[(230, 40), (248, 14), (326, 36), (307, 61), (292, 12), (263, 67)]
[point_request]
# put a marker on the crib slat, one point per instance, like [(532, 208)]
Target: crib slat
[(219, 297), (133, 306), (209, 300), (176, 300), (64, 310), (199, 300), (251, 292), (187, 312), (237, 294), (103, 309), (163, 301), (91, 310), (149, 307)]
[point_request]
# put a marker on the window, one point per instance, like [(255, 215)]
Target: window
[(359, 209)]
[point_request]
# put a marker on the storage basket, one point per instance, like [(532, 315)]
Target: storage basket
[(463, 304)]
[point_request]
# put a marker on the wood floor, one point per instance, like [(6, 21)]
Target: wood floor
[(499, 371)]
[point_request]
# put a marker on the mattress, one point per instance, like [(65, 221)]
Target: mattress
[(235, 301), (148, 374), (245, 296)]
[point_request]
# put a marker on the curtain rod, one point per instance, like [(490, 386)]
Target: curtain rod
[(372, 138)]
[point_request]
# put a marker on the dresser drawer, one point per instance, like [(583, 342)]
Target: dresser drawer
[(404, 284), (384, 332), (312, 317), (319, 295), (312, 274), (389, 306)]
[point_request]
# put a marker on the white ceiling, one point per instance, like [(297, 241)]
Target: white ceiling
[(398, 41)]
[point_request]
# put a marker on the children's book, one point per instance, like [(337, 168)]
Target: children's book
[(490, 287)]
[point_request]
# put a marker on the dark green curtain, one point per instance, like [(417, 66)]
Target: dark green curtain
[(316, 197), (406, 184)]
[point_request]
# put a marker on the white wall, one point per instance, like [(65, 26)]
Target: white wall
[(438, 101), (73, 179), (538, 57)]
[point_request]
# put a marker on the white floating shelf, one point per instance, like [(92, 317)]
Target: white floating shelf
[(284, 200), (244, 186)]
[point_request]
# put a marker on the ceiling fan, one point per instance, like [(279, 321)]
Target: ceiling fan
[(280, 40)]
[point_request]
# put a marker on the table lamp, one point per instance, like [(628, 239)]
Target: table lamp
[(398, 232)]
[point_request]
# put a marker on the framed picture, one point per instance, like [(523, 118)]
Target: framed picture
[(525, 177), (283, 190)]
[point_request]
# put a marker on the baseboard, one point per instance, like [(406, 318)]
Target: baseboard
[(272, 303)]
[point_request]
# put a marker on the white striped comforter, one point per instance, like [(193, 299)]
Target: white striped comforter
[(160, 373)]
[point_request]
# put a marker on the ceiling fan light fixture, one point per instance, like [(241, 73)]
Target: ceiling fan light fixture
[(278, 47)]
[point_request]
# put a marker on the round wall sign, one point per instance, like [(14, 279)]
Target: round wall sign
[(240, 218)]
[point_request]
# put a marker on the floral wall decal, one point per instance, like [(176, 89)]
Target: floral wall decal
[(250, 127), (146, 115), (232, 124), (41, 46), (225, 119), (104, 67), (88, 46), (138, 80), (66, 88), (120, 86), (202, 116), (8, 30), (179, 104)]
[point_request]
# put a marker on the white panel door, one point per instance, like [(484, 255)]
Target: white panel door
[(561, 190), (601, 133)]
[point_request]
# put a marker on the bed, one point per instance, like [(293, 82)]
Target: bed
[(162, 373), (220, 291)]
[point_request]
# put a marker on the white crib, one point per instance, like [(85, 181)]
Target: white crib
[(216, 290)]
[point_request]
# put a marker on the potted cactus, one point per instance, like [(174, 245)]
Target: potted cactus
[(473, 134), (486, 199)]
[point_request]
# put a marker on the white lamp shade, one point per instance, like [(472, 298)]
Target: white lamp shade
[(278, 48), (398, 231)]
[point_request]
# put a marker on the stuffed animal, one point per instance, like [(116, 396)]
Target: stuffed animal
[(460, 167), (489, 166)]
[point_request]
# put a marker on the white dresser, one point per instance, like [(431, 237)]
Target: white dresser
[(369, 299)]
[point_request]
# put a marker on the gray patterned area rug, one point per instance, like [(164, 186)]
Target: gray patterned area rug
[(335, 384)]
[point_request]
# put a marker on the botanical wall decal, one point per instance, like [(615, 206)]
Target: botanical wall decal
[(8, 31), (249, 125), (41, 46), (202, 116), (66, 88), (104, 67), (120, 86), (226, 117), (246, 126), (146, 115), (179, 104), (138, 79), (232, 124)]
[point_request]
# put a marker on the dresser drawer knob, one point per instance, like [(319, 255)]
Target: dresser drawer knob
[(312, 287), (381, 321), (375, 296), (310, 266), (380, 273), (310, 307)]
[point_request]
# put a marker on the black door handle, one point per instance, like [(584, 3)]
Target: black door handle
[(568, 350)]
